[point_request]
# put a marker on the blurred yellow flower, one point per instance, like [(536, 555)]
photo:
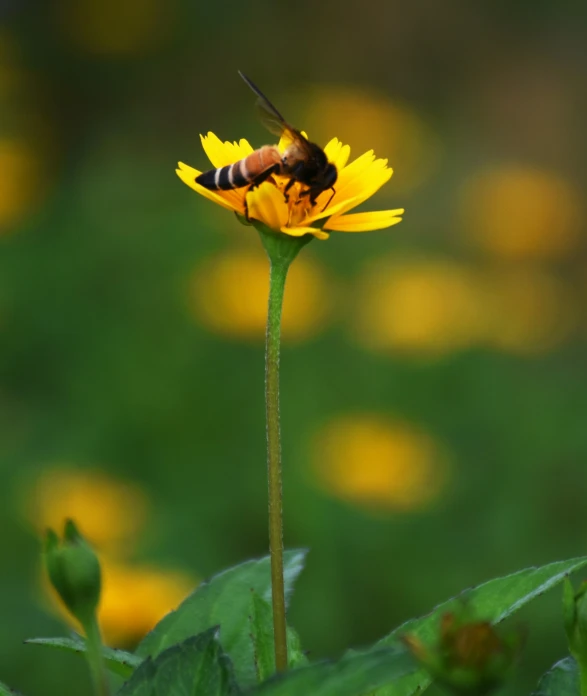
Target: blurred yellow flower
[(426, 307), (378, 463), (109, 511), (134, 598), (19, 182), (229, 291), (356, 183), (527, 311), (516, 212), (368, 119), (111, 27)]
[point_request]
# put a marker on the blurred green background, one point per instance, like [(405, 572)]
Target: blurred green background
[(433, 375)]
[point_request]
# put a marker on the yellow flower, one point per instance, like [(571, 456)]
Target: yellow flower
[(379, 463), (518, 212), (528, 311), (111, 512), (19, 181), (135, 598), (356, 182), (418, 306), (228, 295), (368, 119)]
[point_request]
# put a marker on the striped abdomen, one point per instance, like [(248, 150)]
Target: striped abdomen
[(245, 172)]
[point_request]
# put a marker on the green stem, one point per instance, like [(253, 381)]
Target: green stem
[(278, 274), (95, 659), (282, 250)]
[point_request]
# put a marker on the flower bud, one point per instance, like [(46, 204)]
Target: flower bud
[(74, 571), (575, 618), (470, 657)]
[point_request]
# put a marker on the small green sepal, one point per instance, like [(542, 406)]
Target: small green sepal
[(74, 571), (280, 247)]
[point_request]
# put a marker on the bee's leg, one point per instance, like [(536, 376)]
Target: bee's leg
[(330, 199), (307, 192), (312, 193), (290, 183), (263, 176)]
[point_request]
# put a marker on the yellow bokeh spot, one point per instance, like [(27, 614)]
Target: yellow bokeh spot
[(18, 181), (420, 307), (379, 463), (367, 120), (516, 212), (229, 292), (114, 28), (134, 598), (528, 311), (110, 512)]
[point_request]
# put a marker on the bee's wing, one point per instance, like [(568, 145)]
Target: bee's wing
[(272, 119)]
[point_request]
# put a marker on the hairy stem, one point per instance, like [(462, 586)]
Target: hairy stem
[(281, 250), (278, 275)]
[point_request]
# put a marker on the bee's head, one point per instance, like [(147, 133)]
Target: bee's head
[(325, 177), (324, 180)]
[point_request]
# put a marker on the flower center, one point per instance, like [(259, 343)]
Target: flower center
[(298, 206)]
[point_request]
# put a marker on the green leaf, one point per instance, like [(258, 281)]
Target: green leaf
[(5, 691), (261, 623), (117, 661), (195, 667), (493, 601), (356, 674), (295, 655), (225, 601), (561, 680)]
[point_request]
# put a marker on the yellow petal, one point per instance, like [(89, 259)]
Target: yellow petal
[(321, 212), (301, 231), (357, 182), (365, 222), (355, 168), (221, 154), (238, 151), (337, 153), (231, 200), (361, 188), (267, 205), (235, 198), (360, 174), (187, 171)]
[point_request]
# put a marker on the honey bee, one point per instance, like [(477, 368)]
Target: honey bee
[(302, 161)]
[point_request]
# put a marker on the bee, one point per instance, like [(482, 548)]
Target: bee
[(302, 161)]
